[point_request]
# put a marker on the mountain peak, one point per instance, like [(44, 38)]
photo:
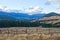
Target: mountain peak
[(52, 14)]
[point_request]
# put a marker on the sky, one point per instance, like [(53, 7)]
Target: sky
[(31, 6)]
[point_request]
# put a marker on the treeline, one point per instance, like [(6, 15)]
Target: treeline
[(25, 23), (17, 23), (44, 25)]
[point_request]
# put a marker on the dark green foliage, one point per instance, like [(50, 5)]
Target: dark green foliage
[(25, 23), (17, 23), (44, 25)]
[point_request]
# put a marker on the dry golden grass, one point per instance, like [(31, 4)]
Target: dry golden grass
[(29, 36)]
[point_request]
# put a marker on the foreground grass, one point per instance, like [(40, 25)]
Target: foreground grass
[(29, 36)]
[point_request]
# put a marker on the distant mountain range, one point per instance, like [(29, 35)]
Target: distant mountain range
[(24, 16), (19, 19), (19, 16), (5, 16)]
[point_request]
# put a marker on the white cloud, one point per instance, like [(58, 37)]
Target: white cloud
[(52, 1), (3, 8), (49, 0), (57, 6), (32, 9), (56, 0)]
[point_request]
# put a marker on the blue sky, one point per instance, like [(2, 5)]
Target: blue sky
[(44, 6)]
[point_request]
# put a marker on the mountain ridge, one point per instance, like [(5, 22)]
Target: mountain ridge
[(52, 14), (21, 15)]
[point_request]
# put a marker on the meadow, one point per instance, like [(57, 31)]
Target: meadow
[(29, 33)]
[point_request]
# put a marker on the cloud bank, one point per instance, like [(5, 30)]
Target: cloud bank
[(57, 6), (30, 10), (3, 8), (33, 9), (48, 2)]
